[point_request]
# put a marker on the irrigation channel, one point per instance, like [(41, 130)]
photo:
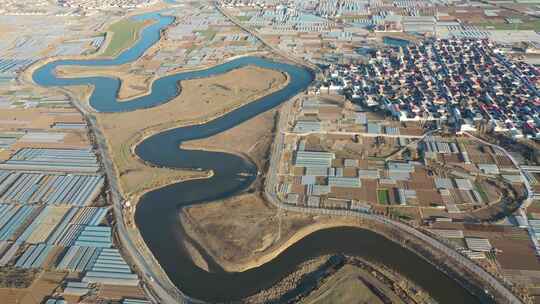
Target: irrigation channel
[(157, 212)]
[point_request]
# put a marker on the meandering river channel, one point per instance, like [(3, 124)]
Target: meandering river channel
[(157, 212)]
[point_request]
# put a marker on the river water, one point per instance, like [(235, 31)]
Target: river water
[(157, 212)]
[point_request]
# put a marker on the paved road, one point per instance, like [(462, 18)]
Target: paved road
[(255, 34), (163, 291), (456, 257), (364, 134), (530, 193)]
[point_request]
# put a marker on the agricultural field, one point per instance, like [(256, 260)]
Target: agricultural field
[(528, 24), (42, 285), (124, 34), (385, 167), (11, 277), (383, 196)]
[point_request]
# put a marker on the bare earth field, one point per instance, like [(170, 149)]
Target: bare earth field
[(36, 293), (242, 239), (345, 286), (133, 84), (200, 100), (36, 118), (250, 235)]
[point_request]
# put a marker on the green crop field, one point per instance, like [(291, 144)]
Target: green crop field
[(532, 24), (124, 34), (243, 18), (481, 191), (208, 34), (383, 196)]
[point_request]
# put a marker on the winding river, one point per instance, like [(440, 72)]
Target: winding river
[(157, 212)]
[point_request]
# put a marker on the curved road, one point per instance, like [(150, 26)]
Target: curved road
[(453, 255)]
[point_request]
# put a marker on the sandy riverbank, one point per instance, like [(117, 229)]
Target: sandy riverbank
[(250, 235)]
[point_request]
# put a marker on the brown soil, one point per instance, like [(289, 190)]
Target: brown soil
[(253, 232), (42, 287), (36, 118), (114, 292)]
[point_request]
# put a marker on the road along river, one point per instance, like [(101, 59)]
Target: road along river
[(157, 212)]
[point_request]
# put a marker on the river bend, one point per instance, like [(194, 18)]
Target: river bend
[(157, 212)]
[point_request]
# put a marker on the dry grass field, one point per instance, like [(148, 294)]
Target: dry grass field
[(251, 138), (345, 286), (200, 100), (124, 33), (250, 230), (133, 84), (253, 232), (115, 292), (36, 293), (36, 118)]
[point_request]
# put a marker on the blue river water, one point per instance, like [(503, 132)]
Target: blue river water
[(157, 212)]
